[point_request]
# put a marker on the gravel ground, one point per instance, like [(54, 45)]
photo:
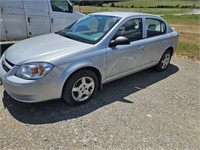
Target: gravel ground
[(147, 110)]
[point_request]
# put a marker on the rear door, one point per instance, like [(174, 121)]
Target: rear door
[(155, 39), (14, 25), (61, 13), (2, 27), (37, 17)]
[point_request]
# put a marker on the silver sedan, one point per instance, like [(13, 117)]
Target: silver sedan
[(75, 62)]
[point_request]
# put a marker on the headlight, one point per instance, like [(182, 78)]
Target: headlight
[(33, 71)]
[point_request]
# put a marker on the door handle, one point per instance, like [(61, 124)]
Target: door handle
[(51, 20), (140, 47), (29, 19), (164, 41)]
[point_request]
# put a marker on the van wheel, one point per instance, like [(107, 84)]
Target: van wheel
[(164, 61), (80, 87)]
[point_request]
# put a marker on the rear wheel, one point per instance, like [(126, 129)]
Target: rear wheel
[(80, 87), (164, 61)]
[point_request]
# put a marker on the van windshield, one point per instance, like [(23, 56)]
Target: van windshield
[(90, 29)]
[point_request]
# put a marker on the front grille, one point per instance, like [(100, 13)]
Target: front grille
[(5, 67), (7, 61), (6, 64)]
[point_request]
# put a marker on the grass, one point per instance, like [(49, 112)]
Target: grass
[(185, 21), (188, 50), (189, 37), (154, 3)]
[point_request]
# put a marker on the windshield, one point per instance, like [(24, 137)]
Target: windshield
[(90, 29)]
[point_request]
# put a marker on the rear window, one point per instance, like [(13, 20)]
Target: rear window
[(155, 27)]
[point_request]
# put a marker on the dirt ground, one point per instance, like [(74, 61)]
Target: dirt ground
[(147, 110)]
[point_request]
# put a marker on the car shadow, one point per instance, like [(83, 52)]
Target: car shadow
[(59, 110)]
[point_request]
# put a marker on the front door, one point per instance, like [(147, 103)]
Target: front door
[(123, 59), (61, 13)]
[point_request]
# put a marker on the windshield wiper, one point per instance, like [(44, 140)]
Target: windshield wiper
[(67, 36), (73, 37), (60, 33)]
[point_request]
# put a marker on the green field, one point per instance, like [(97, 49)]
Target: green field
[(154, 3), (185, 20)]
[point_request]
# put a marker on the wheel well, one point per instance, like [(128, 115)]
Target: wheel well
[(171, 49), (96, 71), (98, 74)]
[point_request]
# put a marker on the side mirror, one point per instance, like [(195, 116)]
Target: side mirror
[(121, 40)]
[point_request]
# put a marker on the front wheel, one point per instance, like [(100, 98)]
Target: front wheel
[(80, 87), (164, 61)]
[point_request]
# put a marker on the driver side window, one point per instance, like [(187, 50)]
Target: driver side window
[(132, 30), (60, 6)]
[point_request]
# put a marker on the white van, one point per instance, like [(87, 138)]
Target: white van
[(20, 19)]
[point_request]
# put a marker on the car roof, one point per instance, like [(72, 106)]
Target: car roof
[(124, 14)]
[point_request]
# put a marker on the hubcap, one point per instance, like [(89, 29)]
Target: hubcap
[(166, 61), (83, 89)]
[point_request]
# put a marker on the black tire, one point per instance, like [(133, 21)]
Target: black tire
[(80, 87), (164, 61)]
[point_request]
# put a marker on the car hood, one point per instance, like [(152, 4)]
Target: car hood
[(42, 48)]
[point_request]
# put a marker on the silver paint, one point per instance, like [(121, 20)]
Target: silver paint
[(69, 56)]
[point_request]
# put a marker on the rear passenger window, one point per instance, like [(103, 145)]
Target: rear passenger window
[(155, 27), (60, 5)]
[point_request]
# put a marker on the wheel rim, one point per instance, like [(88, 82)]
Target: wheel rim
[(83, 89), (166, 61)]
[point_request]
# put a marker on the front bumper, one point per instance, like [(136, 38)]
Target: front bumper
[(43, 89)]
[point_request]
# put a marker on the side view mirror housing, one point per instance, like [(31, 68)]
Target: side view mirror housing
[(121, 40)]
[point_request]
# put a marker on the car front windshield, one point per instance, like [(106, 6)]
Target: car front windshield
[(90, 29)]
